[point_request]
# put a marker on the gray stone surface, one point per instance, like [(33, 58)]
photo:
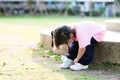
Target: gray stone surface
[(106, 51), (109, 49)]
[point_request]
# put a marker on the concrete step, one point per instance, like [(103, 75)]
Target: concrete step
[(109, 49), (113, 25), (106, 51)]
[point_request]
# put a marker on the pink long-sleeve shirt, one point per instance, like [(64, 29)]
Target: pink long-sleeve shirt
[(88, 29)]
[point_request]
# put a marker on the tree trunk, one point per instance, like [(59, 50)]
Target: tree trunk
[(0, 10), (91, 8), (114, 8), (29, 2), (4, 10)]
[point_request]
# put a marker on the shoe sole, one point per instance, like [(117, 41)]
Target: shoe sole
[(79, 69)]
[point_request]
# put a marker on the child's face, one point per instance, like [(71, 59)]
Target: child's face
[(71, 38), (57, 47), (70, 41)]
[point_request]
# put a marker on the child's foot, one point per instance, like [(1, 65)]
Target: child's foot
[(64, 58), (78, 66), (66, 62)]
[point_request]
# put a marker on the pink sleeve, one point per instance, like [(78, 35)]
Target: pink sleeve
[(99, 36)]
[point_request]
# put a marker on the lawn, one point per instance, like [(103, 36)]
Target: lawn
[(18, 60), (27, 25)]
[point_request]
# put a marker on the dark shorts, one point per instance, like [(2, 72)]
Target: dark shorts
[(88, 55)]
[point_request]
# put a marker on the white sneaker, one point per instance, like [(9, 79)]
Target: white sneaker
[(66, 63), (64, 58), (78, 66)]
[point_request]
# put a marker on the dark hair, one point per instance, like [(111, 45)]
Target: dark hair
[(61, 35)]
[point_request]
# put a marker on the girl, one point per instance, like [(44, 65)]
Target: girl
[(80, 40)]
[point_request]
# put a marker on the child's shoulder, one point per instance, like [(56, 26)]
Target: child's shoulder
[(85, 23)]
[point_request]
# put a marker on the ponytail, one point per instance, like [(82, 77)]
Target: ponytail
[(52, 44)]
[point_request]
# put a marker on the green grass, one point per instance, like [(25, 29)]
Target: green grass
[(110, 67), (52, 18), (45, 22), (80, 77)]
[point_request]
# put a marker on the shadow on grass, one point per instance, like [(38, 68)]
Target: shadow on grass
[(108, 67)]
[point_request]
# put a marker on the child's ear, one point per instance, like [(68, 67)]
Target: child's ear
[(71, 35)]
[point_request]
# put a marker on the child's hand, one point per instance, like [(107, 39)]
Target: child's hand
[(76, 60), (67, 54)]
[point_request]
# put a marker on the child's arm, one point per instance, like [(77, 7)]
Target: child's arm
[(81, 52)]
